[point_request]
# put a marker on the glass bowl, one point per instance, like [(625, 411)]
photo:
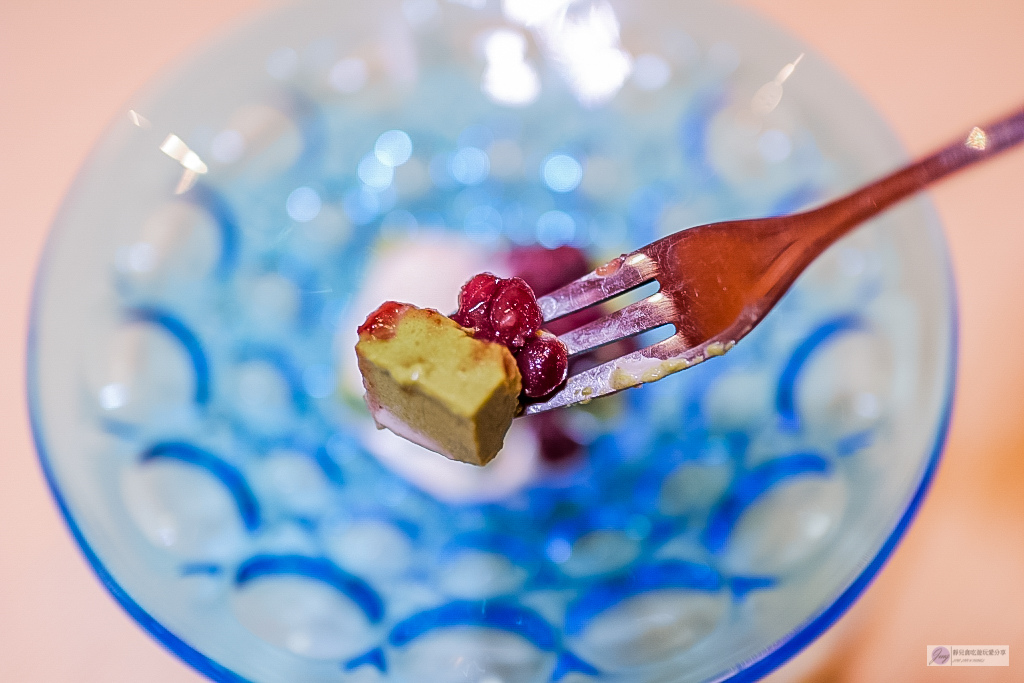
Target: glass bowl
[(198, 416)]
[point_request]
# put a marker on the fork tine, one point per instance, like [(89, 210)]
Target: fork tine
[(619, 275), (646, 314), (646, 365)]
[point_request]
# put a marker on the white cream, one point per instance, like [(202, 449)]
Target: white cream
[(385, 419), (400, 448)]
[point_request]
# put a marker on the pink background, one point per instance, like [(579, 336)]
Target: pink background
[(932, 67)]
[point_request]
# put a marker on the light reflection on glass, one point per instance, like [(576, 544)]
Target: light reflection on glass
[(373, 173), (768, 96), (558, 550), (175, 147), (187, 180), (393, 148), (509, 79), (585, 48), (138, 119), (113, 396), (469, 166), (303, 204), (562, 173)]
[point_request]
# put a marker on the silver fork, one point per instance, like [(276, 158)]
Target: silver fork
[(718, 281)]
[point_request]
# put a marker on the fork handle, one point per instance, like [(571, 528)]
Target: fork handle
[(828, 223)]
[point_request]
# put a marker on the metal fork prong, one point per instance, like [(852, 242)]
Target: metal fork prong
[(646, 314), (725, 277), (646, 365), (631, 271)]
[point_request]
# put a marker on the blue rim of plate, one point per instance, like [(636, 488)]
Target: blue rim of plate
[(189, 654), (787, 648), (752, 669)]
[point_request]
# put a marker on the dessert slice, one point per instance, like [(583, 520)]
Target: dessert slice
[(430, 381)]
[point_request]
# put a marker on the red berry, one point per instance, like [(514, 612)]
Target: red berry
[(506, 312), (514, 315), (545, 270), (475, 301), (381, 323), (544, 364)]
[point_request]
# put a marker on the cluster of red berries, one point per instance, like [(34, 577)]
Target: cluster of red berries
[(505, 310)]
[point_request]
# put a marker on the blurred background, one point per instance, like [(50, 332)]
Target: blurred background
[(932, 67)]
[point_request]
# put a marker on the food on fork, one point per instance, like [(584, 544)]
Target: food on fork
[(430, 381), (453, 385), (506, 311)]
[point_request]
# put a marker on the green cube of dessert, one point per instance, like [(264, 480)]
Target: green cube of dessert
[(428, 380)]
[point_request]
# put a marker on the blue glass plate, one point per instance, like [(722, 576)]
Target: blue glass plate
[(199, 417)]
